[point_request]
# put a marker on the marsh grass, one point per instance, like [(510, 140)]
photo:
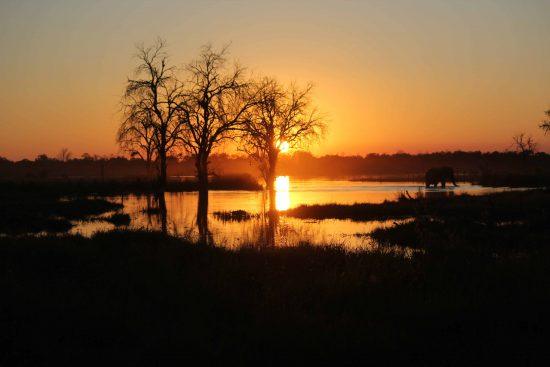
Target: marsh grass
[(490, 208), (358, 212), (476, 292), (143, 297), (34, 213)]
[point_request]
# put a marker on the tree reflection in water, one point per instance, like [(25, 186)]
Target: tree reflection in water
[(149, 209), (279, 199), (205, 236), (161, 202)]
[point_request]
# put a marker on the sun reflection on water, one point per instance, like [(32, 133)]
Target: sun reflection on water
[(282, 194), (182, 212)]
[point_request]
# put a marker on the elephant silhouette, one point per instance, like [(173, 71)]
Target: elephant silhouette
[(440, 175)]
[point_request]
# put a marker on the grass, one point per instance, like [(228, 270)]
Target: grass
[(491, 208), (537, 179), (513, 222), (358, 212), (146, 298), (477, 293), (32, 213), (467, 235)]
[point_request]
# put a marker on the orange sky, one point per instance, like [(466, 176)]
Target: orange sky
[(415, 76)]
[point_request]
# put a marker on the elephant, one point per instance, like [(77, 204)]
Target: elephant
[(440, 174)]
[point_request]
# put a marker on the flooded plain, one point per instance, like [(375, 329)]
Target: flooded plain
[(186, 216)]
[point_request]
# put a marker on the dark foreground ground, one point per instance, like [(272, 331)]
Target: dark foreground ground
[(476, 291), (144, 298)]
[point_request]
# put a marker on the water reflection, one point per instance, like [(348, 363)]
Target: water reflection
[(191, 214), (270, 228), (162, 211), (282, 193), (205, 236)]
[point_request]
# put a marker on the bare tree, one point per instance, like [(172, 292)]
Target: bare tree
[(64, 155), (545, 125), (215, 106), (283, 118), (136, 136), (154, 98), (525, 144)]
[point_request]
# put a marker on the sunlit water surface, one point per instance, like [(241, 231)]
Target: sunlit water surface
[(181, 209)]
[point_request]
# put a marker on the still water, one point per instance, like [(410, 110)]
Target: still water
[(184, 218)]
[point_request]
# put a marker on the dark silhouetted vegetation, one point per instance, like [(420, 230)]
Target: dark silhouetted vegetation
[(118, 187), (152, 123), (540, 179), (499, 168), (359, 212), (234, 215), (214, 107), (281, 115), (34, 211), (118, 219), (490, 209), (145, 298), (545, 124)]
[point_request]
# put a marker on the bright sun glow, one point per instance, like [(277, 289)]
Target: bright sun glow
[(284, 147), (282, 183), (282, 194)]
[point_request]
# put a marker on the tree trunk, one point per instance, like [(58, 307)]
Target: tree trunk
[(205, 237), (163, 212), (201, 164), (271, 176), (162, 173)]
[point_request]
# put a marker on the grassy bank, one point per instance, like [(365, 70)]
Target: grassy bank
[(538, 179), (503, 206), (33, 212), (359, 212), (534, 179), (145, 298)]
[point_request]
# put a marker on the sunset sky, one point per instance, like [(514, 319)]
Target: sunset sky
[(391, 75)]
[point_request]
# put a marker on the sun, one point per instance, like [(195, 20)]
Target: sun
[(282, 194), (282, 183), (284, 147)]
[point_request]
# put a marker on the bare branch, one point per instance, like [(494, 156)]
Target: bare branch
[(216, 101), (279, 115), (525, 144), (151, 103)]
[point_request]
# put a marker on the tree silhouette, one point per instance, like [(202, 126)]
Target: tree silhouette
[(281, 115), (525, 144), (42, 158), (216, 101), (64, 155), (152, 100), (136, 136), (545, 125)]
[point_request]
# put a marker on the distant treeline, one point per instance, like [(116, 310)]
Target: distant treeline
[(403, 165), (467, 165), (88, 167)]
